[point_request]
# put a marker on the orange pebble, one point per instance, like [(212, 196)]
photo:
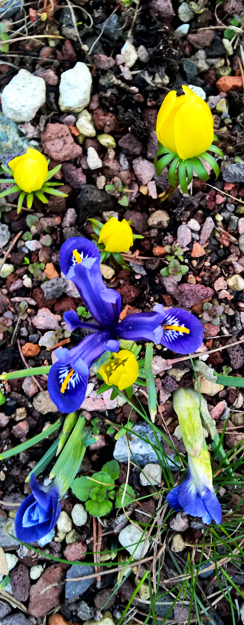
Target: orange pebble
[(30, 349), (50, 271)]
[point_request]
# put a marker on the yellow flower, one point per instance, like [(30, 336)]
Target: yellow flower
[(185, 124), (121, 370), (30, 170), (116, 236)]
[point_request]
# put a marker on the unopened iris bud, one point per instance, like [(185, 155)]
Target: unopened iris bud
[(116, 236), (30, 170), (121, 370), (185, 124), (190, 423)]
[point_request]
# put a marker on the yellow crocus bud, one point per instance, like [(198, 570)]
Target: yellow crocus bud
[(185, 124), (30, 170), (190, 423), (121, 370), (116, 236)]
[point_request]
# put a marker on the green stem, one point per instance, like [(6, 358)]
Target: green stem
[(33, 441), (24, 373)]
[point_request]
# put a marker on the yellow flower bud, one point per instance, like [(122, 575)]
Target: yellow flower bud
[(30, 170), (116, 235), (190, 423), (185, 124), (121, 370)]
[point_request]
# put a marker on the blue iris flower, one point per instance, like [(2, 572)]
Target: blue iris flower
[(38, 513), (195, 495), (176, 329)]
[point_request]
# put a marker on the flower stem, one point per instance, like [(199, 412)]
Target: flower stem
[(24, 373)]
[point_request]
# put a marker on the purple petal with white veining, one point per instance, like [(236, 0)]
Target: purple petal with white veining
[(85, 248)]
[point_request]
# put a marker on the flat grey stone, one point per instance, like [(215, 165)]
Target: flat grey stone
[(6, 528), (54, 287), (140, 450), (16, 619), (233, 172), (10, 139), (74, 590), (4, 235)]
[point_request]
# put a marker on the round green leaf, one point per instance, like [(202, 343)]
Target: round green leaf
[(98, 509)]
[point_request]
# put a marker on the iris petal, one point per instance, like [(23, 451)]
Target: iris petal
[(40, 493), (73, 395), (85, 248), (104, 304), (142, 327), (172, 499), (181, 342), (212, 505)]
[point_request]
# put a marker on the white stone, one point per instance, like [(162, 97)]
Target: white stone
[(198, 91), (6, 270), (194, 225), (64, 523), (85, 125), (75, 88), (107, 272), (43, 403), (228, 46), (158, 219), (185, 14), (182, 30), (152, 475), (79, 515), (131, 539), (93, 160), (236, 282), (23, 96), (36, 571), (129, 53), (27, 282), (11, 560), (178, 544), (207, 387)]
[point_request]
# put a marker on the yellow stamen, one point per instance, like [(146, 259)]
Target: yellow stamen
[(66, 381), (177, 329), (77, 256)]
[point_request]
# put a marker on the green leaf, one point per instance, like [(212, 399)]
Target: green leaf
[(216, 150), (229, 34), (31, 442), (172, 175), (114, 394), (41, 465), (68, 463), (182, 177), (123, 498), (165, 160), (29, 200), (52, 191), (99, 509), (7, 170), (53, 171), (112, 468), (101, 479), (211, 161), (184, 269), (164, 272), (124, 201), (104, 256), (199, 168), (98, 493), (189, 169), (164, 150), (81, 488), (20, 201), (229, 380), (41, 197), (2, 399), (152, 395), (9, 191), (6, 180)]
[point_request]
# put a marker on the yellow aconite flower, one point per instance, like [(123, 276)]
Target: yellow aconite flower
[(121, 370), (116, 236), (30, 170), (185, 124)]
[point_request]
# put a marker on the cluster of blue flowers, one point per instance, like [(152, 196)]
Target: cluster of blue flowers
[(176, 329)]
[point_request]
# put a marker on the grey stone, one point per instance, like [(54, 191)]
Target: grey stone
[(4, 609), (4, 235), (23, 96), (12, 143), (54, 287), (112, 28), (6, 528), (9, 8), (75, 88), (16, 619), (190, 69), (233, 172), (85, 613), (162, 607), (140, 450), (204, 566), (74, 590), (91, 201), (241, 243)]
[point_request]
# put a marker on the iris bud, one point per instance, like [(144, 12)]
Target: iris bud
[(116, 236), (185, 124), (120, 370), (190, 423), (30, 170)]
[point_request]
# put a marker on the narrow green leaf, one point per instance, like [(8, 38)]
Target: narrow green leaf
[(229, 380), (216, 150), (182, 177), (199, 168), (41, 465), (212, 162), (7, 170), (189, 169), (173, 173), (25, 373), (41, 197), (30, 443), (6, 180), (52, 191), (53, 171), (163, 150), (9, 191), (29, 199), (70, 458), (165, 160), (20, 200), (152, 395)]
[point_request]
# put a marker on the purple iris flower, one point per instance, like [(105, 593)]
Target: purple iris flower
[(195, 495), (38, 513), (176, 329)]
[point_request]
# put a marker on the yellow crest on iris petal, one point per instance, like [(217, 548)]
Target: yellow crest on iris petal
[(29, 170), (120, 370), (185, 124), (116, 236)]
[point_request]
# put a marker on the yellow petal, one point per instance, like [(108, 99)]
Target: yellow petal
[(193, 128), (116, 236), (30, 170), (165, 127)]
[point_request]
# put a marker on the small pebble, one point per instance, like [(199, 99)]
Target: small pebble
[(64, 523), (36, 571), (152, 475), (129, 53), (79, 515), (93, 160)]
